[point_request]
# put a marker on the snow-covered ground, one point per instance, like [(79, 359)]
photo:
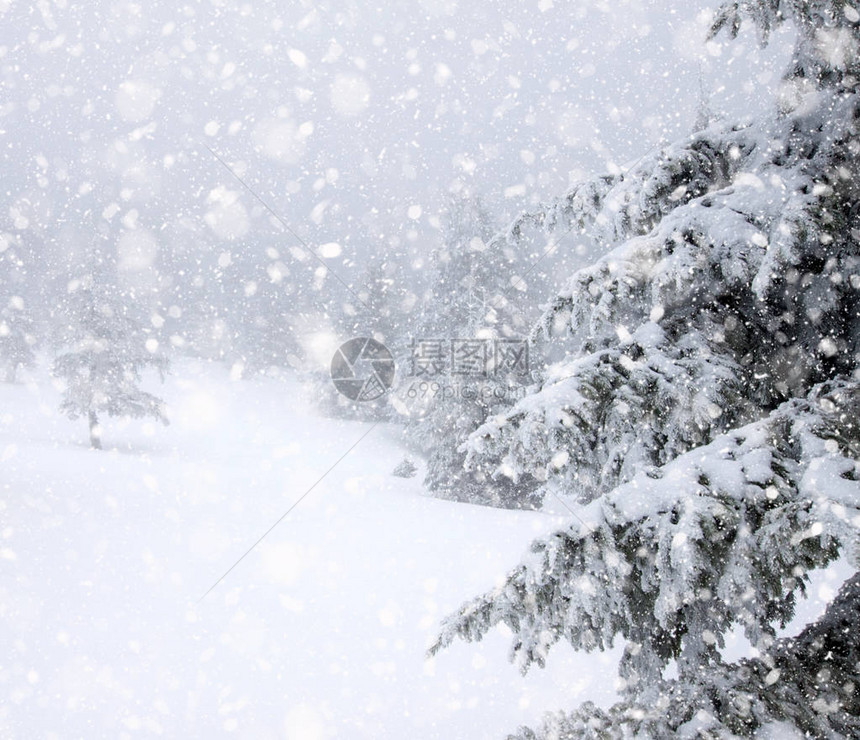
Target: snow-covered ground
[(320, 632)]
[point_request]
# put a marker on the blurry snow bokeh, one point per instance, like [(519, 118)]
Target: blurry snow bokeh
[(404, 101)]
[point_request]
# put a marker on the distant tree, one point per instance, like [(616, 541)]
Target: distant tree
[(376, 306), (17, 319), (254, 292), (105, 354), (379, 308), (704, 423), (17, 338), (467, 320)]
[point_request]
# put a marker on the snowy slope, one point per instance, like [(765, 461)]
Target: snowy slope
[(319, 633)]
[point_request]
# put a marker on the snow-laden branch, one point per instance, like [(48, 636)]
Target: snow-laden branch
[(723, 535)]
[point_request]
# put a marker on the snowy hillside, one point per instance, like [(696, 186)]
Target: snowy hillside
[(319, 633)]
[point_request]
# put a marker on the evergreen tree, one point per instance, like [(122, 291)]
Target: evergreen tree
[(471, 328), (376, 307), (253, 293), (706, 417), (806, 680), (17, 338), (17, 325), (105, 354), (382, 309)]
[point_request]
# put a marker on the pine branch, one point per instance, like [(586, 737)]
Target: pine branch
[(722, 535)]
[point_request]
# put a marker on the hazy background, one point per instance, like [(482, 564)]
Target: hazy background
[(354, 122)]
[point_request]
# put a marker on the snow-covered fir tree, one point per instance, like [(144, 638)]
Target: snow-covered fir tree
[(804, 682), (105, 352), (377, 306), (17, 338), (381, 304), (704, 421), (467, 358), (17, 324), (251, 294)]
